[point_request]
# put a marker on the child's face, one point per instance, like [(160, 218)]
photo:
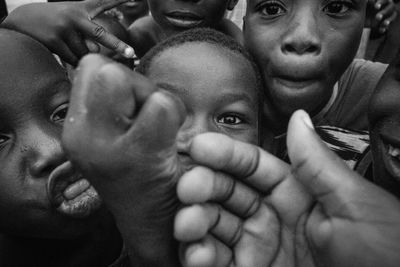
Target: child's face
[(134, 9), (34, 95), (217, 87), (384, 116), (176, 15), (303, 47)]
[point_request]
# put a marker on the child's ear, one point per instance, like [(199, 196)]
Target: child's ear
[(232, 4)]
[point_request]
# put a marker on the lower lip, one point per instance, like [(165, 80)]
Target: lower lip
[(131, 4), (184, 22), (82, 205), (294, 84)]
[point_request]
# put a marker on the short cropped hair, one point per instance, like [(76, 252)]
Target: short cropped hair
[(206, 35)]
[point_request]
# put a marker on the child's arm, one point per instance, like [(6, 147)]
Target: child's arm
[(66, 28), (120, 133), (351, 222)]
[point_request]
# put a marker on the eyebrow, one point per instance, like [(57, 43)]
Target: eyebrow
[(228, 97)]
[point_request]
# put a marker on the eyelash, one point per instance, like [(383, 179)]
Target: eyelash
[(262, 8), (231, 115), (3, 139), (59, 114), (348, 5)]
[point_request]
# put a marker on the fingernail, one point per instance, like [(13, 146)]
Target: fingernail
[(307, 121), (129, 52), (386, 22), (379, 16), (378, 6), (382, 30)]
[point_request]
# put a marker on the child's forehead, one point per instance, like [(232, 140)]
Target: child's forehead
[(26, 67)]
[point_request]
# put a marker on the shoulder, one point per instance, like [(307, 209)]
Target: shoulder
[(143, 34), (355, 88), (362, 72)]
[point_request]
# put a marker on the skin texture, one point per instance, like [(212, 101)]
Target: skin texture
[(134, 152), (34, 96), (302, 48), (384, 117), (217, 87), (316, 212)]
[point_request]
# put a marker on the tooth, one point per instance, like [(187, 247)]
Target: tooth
[(394, 151)]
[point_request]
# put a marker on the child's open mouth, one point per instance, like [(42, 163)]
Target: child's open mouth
[(183, 19), (70, 193)]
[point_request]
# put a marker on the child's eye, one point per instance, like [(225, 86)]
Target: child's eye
[(337, 8), (272, 9), (60, 113), (230, 119), (3, 139)]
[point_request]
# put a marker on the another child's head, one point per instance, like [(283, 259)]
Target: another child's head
[(302, 48), (174, 16), (134, 9), (40, 194), (216, 80), (384, 118)]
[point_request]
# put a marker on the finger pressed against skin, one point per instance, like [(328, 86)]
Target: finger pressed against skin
[(240, 160)]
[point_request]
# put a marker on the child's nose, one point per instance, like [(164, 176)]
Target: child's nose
[(44, 153), (303, 36)]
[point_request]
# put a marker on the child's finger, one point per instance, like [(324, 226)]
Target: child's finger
[(159, 119), (194, 222), (246, 162), (99, 34), (207, 252), (92, 46), (76, 43), (318, 169), (201, 185), (64, 52), (96, 7), (387, 13)]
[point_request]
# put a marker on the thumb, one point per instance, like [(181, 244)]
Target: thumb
[(157, 124), (322, 173)]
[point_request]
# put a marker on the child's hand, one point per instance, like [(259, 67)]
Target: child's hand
[(351, 223), (383, 13), (120, 132), (66, 28)]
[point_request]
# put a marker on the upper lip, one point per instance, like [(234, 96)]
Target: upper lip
[(59, 179), (183, 14)]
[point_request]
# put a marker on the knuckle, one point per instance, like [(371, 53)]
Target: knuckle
[(98, 32)]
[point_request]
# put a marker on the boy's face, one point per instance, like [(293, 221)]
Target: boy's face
[(303, 47), (134, 9), (217, 86), (34, 95), (174, 16), (384, 116)]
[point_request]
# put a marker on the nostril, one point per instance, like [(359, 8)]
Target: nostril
[(290, 48), (300, 48)]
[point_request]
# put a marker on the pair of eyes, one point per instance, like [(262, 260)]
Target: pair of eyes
[(57, 116), (274, 8)]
